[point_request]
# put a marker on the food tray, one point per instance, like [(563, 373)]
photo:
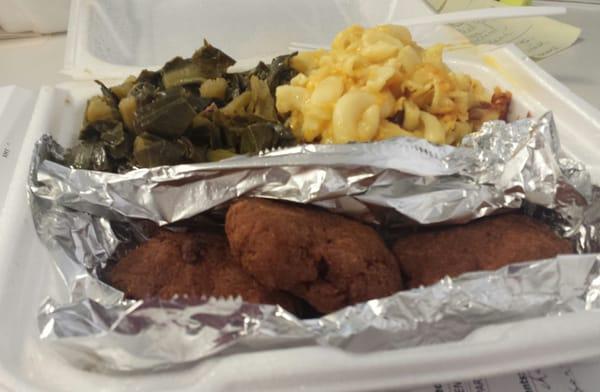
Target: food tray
[(27, 276)]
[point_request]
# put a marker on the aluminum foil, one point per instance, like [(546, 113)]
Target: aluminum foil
[(80, 214)]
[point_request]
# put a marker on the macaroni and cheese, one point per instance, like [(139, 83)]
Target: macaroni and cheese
[(376, 84)]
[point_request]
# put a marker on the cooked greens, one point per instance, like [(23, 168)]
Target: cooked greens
[(168, 115), (150, 150), (191, 110)]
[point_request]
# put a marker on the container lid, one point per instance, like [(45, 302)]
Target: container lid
[(113, 38)]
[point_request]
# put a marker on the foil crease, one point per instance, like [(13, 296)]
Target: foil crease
[(395, 182)]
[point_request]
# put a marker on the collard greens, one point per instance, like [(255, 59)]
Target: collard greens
[(165, 117)]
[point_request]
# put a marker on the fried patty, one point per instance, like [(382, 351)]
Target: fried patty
[(485, 244), (327, 259), (192, 265)]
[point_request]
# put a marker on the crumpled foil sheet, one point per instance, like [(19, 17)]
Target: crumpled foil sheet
[(395, 182)]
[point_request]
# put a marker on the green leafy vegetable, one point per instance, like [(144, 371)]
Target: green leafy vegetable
[(213, 61), (262, 103), (257, 101), (92, 132), (262, 135), (198, 102), (111, 98), (280, 71), (205, 132), (207, 63), (249, 134), (150, 150), (191, 110), (118, 143), (219, 155), (169, 114), (105, 146), (151, 77), (277, 73), (179, 72), (89, 155), (143, 92)]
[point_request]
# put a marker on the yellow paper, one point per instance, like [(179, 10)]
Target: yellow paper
[(516, 2), (538, 37)]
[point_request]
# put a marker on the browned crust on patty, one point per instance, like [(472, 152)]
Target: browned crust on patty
[(329, 260), (192, 265), (486, 244)]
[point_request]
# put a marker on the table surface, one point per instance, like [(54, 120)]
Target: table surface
[(35, 62)]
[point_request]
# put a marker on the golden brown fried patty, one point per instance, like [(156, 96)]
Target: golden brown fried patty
[(485, 244), (329, 260), (189, 264)]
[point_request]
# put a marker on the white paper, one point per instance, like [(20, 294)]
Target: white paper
[(576, 378)]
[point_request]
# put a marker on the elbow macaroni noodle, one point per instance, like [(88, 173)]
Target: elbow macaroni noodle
[(376, 84)]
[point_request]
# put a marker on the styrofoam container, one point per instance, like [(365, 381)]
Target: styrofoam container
[(105, 47), (40, 16), (110, 38), (16, 107), (13, 18)]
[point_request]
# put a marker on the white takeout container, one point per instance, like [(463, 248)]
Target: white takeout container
[(110, 39)]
